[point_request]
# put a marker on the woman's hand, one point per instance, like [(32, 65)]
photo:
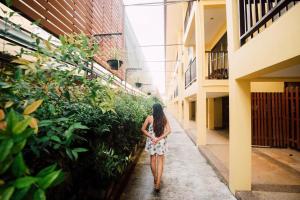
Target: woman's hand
[(156, 140), (153, 140)]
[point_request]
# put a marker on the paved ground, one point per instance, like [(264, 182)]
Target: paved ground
[(186, 175)]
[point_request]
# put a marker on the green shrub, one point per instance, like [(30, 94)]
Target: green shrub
[(17, 180), (85, 134)]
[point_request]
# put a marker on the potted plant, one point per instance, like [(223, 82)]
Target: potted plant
[(138, 84), (115, 62)]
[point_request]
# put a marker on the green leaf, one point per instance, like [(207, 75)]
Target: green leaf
[(68, 133), (18, 146), (60, 178), (18, 74), (45, 123), (21, 126), (11, 13), (4, 85), (5, 165), (5, 147), (7, 193), (75, 155), (50, 122), (69, 153), (39, 194), (25, 182), (51, 108), (19, 167), (47, 180), (22, 137), (79, 150), (46, 170), (55, 138), (20, 194), (12, 119)]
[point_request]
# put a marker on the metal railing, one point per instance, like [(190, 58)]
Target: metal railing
[(190, 73), (217, 64), (187, 14), (255, 14)]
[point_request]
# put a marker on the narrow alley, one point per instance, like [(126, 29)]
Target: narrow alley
[(186, 174)]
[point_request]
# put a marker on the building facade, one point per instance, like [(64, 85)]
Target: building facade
[(90, 17), (232, 59)]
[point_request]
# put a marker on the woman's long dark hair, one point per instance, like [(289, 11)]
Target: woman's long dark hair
[(159, 120)]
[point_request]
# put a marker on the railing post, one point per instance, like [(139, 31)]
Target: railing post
[(214, 64), (250, 13), (209, 64), (190, 72), (223, 65)]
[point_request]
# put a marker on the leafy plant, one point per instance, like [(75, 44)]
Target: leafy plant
[(85, 126), (16, 180)]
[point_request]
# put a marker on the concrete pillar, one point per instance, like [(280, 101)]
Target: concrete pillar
[(200, 61), (240, 110), (240, 136), (211, 112), (201, 117)]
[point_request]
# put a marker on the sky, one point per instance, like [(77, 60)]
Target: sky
[(148, 24)]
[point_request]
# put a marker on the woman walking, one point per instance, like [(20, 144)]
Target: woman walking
[(156, 144)]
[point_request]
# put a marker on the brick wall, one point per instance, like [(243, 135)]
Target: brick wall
[(88, 16), (110, 19)]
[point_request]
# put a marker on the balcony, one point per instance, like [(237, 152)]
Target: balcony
[(190, 74), (217, 64), (187, 14), (256, 15)]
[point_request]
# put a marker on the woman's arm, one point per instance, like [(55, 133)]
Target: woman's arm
[(143, 129), (167, 131)]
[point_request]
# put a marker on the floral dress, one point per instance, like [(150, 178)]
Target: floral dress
[(159, 148)]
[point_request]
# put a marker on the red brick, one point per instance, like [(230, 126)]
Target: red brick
[(91, 16)]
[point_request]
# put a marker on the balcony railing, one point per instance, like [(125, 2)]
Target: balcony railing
[(187, 14), (217, 64), (255, 14), (190, 74)]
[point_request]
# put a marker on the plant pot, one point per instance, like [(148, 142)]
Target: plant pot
[(115, 64), (138, 84)]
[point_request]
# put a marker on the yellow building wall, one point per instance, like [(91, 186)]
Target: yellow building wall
[(173, 31), (268, 51), (267, 86), (276, 47)]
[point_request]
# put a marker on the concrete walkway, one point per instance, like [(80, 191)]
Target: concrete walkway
[(186, 174)]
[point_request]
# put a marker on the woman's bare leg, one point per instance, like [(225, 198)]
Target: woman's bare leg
[(153, 167), (160, 165)]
